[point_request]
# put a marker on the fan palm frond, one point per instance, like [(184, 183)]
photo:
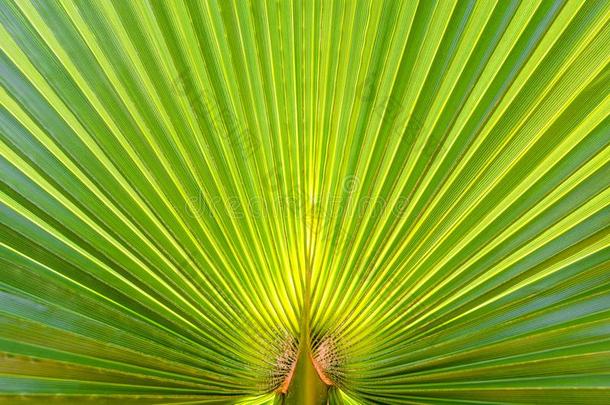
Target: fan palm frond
[(305, 202)]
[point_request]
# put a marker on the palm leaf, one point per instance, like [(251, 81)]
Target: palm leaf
[(305, 201)]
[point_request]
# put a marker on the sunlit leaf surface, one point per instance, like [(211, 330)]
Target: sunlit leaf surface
[(410, 198)]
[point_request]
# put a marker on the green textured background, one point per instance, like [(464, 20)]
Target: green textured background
[(415, 195)]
